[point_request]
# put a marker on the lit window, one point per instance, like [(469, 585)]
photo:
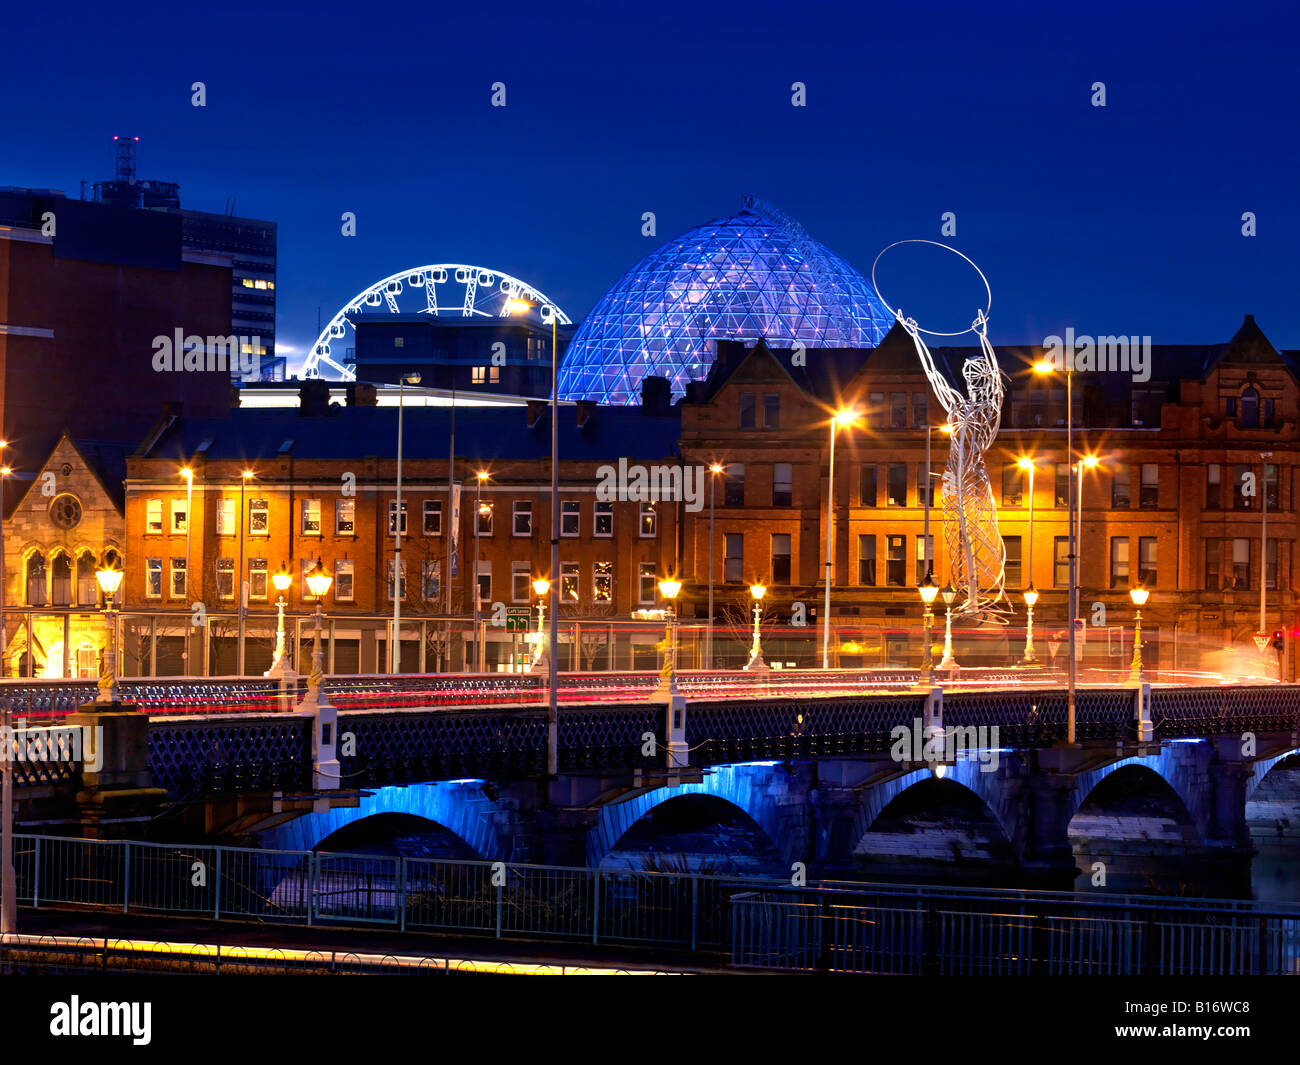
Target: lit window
[(152, 578), (180, 516), (478, 374), (569, 582), (392, 517), (257, 578), (345, 513), (225, 578), (153, 516), (603, 519), (647, 582), (602, 582), (178, 578), (311, 517), (226, 517), (259, 517), (649, 519), (343, 570)]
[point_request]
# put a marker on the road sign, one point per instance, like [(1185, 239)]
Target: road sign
[(1052, 647), (517, 619), (1261, 640)]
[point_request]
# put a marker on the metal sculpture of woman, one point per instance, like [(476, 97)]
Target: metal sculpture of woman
[(976, 555)]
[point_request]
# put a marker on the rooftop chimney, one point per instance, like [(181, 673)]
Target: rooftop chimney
[(313, 398), (656, 395)]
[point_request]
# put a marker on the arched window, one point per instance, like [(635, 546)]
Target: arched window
[(61, 583), (36, 580), (1250, 409), (87, 586)]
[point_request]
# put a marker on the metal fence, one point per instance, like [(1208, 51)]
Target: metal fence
[(920, 931), (757, 923)]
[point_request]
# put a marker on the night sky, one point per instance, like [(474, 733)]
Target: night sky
[(1124, 219)]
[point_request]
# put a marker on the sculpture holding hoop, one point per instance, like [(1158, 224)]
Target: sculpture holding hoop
[(976, 555)]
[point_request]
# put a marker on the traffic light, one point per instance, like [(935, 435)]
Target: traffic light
[(1277, 640)]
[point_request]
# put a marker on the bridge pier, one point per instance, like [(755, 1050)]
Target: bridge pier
[(117, 793), (1046, 856)]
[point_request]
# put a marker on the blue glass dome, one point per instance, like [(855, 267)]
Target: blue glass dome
[(754, 275)]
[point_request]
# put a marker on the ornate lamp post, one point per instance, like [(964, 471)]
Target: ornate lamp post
[(541, 660), (318, 583), (841, 418), (1031, 597), (667, 690), (715, 469), (5, 471), (109, 579), (244, 478), (928, 590), (756, 662), (482, 510), (949, 593), (279, 667), (1139, 596)]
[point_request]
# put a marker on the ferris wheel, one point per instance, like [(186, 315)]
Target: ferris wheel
[(447, 290)]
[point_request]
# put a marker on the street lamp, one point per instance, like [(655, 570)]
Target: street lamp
[(244, 478), (667, 690), (928, 590), (1086, 462), (1026, 462), (109, 578), (1046, 366), (1031, 597), (756, 662), (279, 667), (188, 474), (1139, 596), (949, 594), (395, 648), (318, 583), (482, 510), (840, 418), (541, 659), (715, 469), (5, 471)]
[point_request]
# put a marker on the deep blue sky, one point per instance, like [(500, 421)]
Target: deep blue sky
[(1125, 219)]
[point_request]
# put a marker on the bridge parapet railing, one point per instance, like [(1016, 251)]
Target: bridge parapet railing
[(1216, 710), (245, 754)]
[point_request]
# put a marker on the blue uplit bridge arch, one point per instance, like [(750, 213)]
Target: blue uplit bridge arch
[(476, 290), (457, 805)]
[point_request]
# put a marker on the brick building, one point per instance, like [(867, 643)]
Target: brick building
[(322, 485), (1168, 501)]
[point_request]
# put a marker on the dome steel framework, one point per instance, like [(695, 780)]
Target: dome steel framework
[(754, 275)]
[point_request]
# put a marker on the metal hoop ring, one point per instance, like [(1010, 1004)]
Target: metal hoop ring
[(937, 244)]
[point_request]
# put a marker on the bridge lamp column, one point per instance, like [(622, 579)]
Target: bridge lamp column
[(318, 583), (928, 590), (715, 469), (244, 477), (667, 690), (1031, 597), (5, 471), (541, 662), (949, 593), (188, 474), (756, 662), (279, 667), (1026, 462), (841, 418), (1046, 366), (482, 510), (109, 578), (1139, 596)]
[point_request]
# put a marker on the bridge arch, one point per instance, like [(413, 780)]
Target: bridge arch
[(751, 787), (1176, 765), (1261, 769), (458, 806), (984, 786)]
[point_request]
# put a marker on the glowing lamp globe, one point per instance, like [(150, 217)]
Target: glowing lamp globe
[(1031, 595), (928, 590), (318, 581), (282, 579), (757, 590), (1139, 595), (109, 580), (669, 589), (541, 586)]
